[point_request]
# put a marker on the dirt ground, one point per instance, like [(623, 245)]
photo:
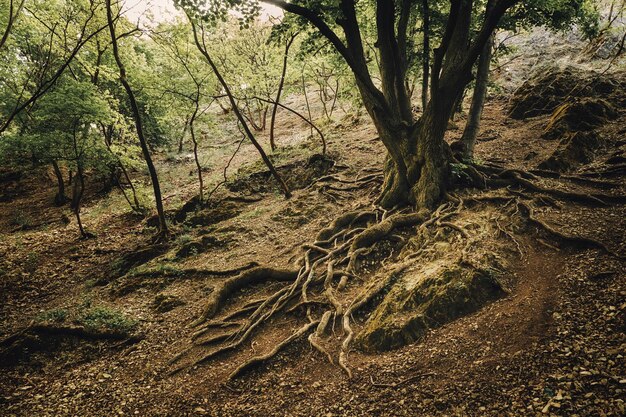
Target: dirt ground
[(554, 345)]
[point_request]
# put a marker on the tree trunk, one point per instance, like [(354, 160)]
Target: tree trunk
[(192, 130), (136, 207), (458, 106), (60, 198), (138, 124), (425, 54), (77, 195), (78, 187), (182, 136), (202, 48), (306, 100), (280, 90), (416, 170), (478, 101)]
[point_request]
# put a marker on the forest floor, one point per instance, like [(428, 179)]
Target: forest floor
[(553, 345)]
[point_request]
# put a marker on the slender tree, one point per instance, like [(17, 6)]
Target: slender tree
[(198, 34), (418, 160), (163, 231), (281, 83), (478, 101)]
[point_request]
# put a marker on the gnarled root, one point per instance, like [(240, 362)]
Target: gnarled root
[(527, 180), (252, 276), (563, 236), (348, 236), (249, 364)]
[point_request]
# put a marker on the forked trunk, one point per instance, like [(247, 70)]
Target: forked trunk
[(420, 180), (417, 166)]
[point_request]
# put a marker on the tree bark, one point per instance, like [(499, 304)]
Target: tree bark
[(78, 187), (192, 131), (77, 196), (136, 207), (182, 136), (60, 198), (418, 160), (416, 170), (138, 124), (478, 101), (425, 53)]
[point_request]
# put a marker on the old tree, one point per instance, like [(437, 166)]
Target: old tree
[(418, 162), (417, 171)]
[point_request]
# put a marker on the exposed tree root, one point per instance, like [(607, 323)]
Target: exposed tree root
[(579, 241), (192, 272), (223, 273), (256, 275), (592, 198), (220, 324), (574, 178), (8, 343), (314, 341), (499, 177), (613, 171), (342, 242), (312, 289), (251, 363)]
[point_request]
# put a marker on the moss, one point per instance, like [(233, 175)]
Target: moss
[(105, 318), (423, 302), (56, 315)]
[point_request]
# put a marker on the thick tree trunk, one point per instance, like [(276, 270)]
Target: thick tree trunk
[(417, 166), (478, 101), (60, 198)]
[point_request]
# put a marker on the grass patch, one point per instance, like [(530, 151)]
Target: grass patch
[(92, 318), (56, 315), (105, 318)]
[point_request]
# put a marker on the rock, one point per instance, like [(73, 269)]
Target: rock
[(427, 299)]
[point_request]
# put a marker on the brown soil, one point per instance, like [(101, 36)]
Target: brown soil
[(553, 345)]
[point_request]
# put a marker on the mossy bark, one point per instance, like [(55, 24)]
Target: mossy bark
[(417, 166)]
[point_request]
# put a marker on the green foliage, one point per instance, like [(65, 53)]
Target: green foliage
[(105, 318), (21, 219), (55, 315)]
